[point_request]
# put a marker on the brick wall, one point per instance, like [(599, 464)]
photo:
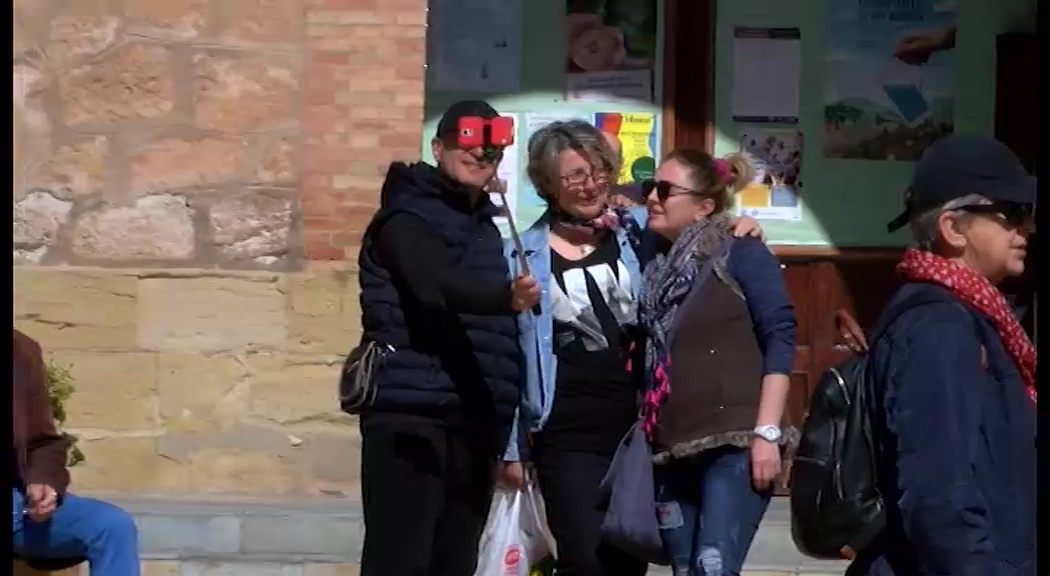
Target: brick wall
[(192, 178), (363, 107), (236, 133)]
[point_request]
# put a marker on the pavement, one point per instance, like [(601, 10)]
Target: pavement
[(322, 537)]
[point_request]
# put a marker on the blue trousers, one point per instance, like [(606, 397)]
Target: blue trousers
[(709, 512), (79, 528)]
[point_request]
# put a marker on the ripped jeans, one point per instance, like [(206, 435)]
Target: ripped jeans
[(708, 511)]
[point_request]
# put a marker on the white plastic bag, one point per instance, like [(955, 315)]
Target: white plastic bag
[(516, 536)]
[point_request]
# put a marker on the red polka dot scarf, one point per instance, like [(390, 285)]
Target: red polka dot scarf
[(978, 292)]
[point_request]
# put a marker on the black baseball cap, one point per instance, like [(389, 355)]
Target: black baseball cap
[(960, 165), (449, 122)]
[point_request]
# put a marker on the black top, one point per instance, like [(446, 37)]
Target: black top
[(595, 398), (434, 287), (407, 247)]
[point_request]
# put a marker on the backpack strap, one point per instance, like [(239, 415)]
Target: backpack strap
[(934, 295)]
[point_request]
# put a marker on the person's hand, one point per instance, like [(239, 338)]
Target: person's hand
[(41, 501), (851, 332), (512, 474), (524, 293), (916, 47), (746, 226), (765, 463)]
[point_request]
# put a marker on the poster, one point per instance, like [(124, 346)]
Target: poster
[(889, 78), (480, 52), (610, 50), (775, 192), (637, 135), (533, 122), (766, 74), (509, 175)]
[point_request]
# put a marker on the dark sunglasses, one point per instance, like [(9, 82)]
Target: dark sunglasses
[(489, 153), (664, 189), (1014, 213)]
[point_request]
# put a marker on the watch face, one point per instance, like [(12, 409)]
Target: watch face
[(770, 433)]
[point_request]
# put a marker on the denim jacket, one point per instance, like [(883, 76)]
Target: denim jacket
[(536, 331)]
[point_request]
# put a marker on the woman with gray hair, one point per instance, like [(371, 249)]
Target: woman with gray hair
[(953, 374), (579, 397)]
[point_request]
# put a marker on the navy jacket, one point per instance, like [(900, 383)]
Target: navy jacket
[(448, 367), (959, 469)]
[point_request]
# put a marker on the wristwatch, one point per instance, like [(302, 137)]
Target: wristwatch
[(769, 432)]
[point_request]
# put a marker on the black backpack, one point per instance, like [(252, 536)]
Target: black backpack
[(836, 507)]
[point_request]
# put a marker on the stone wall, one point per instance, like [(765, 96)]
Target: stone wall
[(191, 181), (200, 382)]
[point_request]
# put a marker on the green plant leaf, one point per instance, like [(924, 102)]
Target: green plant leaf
[(59, 388)]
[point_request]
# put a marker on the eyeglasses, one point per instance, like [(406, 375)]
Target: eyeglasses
[(1014, 213), (581, 176), (664, 189)]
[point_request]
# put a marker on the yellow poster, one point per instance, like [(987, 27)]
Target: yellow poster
[(637, 135)]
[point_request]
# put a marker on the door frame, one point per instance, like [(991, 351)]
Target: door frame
[(692, 126)]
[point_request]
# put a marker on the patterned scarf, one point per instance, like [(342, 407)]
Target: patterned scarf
[(977, 291), (611, 218), (667, 280)]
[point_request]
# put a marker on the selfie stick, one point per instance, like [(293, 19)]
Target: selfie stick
[(518, 248)]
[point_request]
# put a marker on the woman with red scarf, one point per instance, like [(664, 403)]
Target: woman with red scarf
[(954, 412)]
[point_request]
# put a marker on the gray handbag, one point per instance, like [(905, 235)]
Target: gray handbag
[(630, 521), (357, 389)]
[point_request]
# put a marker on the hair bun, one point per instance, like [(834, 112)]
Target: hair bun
[(723, 171)]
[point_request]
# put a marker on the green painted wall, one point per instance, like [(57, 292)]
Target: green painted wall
[(847, 202)]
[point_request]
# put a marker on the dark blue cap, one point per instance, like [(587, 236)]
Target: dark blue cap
[(960, 165)]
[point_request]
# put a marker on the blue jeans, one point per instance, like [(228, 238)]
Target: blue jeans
[(79, 528), (709, 513)]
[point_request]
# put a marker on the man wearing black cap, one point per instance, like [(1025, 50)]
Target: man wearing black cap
[(953, 375), (435, 291)]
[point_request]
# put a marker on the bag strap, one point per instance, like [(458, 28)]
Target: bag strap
[(934, 295)]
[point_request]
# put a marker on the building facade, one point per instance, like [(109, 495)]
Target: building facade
[(191, 181)]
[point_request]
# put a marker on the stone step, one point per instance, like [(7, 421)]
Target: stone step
[(222, 536)]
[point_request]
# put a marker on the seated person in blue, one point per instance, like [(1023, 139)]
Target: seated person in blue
[(50, 523)]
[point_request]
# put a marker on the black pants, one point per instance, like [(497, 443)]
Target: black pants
[(569, 481), (426, 493)]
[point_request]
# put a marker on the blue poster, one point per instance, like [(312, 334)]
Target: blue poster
[(889, 81)]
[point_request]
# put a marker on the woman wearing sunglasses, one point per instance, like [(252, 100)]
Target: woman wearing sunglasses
[(720, 348), (580, 398), (955, 408)]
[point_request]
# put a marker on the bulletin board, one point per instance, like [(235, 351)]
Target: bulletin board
[(847, 202), (843, 202), (541, 94)]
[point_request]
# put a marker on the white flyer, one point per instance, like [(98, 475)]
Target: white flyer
[(476, 44)]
